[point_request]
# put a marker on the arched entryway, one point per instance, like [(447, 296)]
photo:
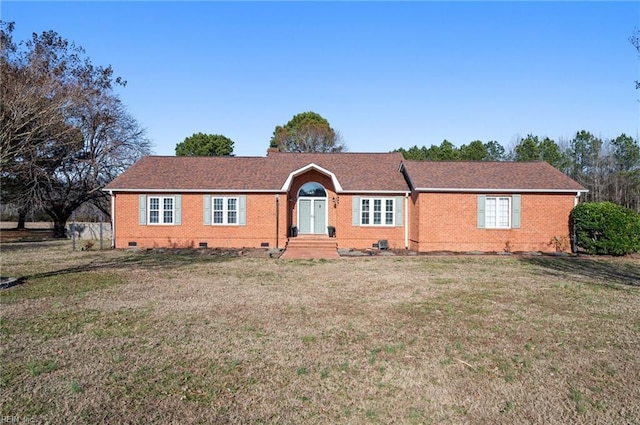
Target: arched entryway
[(312, 209)]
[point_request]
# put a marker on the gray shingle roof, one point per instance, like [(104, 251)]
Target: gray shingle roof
[(529, 176), (354, 172)]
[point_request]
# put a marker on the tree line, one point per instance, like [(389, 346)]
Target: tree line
[(609, 168)]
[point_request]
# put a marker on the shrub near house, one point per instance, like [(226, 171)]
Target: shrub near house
[(606, 228)]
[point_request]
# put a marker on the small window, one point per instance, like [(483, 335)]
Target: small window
[(312, 189), (161, 210)]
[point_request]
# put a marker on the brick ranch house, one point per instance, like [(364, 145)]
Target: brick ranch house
[(357, 198)]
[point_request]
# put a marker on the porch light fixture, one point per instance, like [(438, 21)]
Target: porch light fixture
[(336, 201)]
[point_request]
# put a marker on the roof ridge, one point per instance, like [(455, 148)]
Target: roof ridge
[(469, 161)]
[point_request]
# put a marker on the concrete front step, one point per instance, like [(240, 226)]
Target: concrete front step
[(311, 247)]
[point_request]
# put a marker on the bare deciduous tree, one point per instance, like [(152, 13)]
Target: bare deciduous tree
[(65, 134), (635, 41)]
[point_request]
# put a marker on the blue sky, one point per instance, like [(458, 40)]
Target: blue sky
[(386, 75)]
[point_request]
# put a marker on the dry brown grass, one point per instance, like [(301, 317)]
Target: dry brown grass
[(122, 337)]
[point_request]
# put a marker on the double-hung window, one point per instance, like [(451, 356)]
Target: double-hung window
[(161, 210), (154, 209), (377, 211), (225, 210)]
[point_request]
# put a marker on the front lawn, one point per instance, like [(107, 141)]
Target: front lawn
[(126, 337)]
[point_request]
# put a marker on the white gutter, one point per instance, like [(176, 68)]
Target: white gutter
[(387, 192), (142, 190), (458, 190), (486, 190)]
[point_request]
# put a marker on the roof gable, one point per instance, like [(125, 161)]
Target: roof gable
[(356, 172), (312, 166)]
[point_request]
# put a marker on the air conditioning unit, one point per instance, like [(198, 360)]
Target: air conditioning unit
[(383, 244)]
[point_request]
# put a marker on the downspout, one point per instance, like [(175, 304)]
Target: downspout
[(277, 221), (406, 220), (113, 219), (572, 230)]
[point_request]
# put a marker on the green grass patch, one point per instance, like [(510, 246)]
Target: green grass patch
[(54, 323), (308, 339), (578, 399), (505, 367), (507, 407), (60, 286), (443, 280), (38, 367), (57, 323), (199, 381), (75, 387)]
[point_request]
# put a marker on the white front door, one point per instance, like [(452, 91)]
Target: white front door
[(312, 216)]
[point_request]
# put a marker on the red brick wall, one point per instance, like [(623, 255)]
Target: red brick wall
[(260, 227), (360, 237), (437, 222), (448, 222), (260, 224), (414, 222)]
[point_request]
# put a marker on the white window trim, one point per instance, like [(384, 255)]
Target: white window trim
[(488, 225), (225, 211), (161, 210), (383, 221)]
